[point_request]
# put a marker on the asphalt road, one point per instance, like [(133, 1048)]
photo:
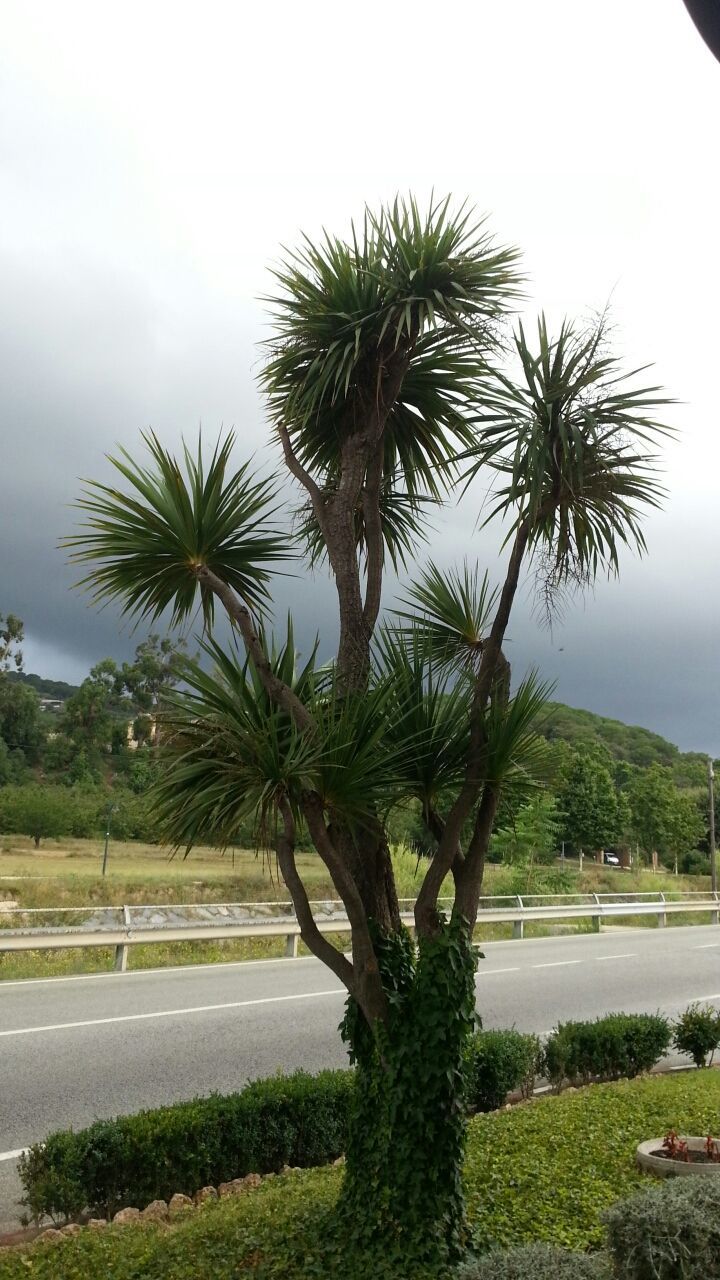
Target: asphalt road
[(74, 1049)]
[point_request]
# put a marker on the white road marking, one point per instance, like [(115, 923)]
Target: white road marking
[(144, 973), (487, 973), (171, 1013), (626, 955), (13, 1155), (706, 946), (556, 964)]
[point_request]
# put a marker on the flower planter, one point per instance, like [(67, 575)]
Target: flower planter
[(651, 1159)]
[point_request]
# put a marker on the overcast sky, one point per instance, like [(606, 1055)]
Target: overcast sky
[(155, 155)]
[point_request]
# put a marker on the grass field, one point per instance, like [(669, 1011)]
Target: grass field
[(67, 873)]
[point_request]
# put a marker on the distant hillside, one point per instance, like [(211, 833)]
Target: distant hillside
[(629, 743), (45, 688)]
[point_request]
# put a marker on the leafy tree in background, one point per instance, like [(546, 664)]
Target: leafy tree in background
[(12, 634), (154, 671), (36, 811), (87, 718), (663, 819), (382, 387), (534, 835), (20, 724), (594, 813)]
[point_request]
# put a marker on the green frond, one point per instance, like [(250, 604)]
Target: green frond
[(146, 539), (519, 759), (427, 712), (573, 442), (424, 290), (229, 753), (452, 608)]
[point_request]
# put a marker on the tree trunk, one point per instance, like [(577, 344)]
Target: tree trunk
[(402, 1197), (367, 855)]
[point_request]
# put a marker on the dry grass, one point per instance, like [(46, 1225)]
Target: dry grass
[(66, 873)]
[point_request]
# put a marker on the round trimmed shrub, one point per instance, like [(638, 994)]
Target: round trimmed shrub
[(669, 1232)]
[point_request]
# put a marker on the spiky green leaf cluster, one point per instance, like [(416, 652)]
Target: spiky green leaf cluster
[(145, 541), (230, 753), (575, 441), (422, 290), (453, 608)]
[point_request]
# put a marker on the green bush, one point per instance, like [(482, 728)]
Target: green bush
[(670, 1232), (537, 1262), (299, 1120), (498, 1063), (620, 1044), (697, 1033)]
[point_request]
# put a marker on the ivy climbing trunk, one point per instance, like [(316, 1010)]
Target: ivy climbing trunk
[(402, 1197)]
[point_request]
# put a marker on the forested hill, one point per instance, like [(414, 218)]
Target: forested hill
[(626, 742), (45, 688)]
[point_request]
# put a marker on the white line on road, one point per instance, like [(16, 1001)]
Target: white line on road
[(626, 955), (487, 973), (144, 973), (556, 964), (171, 1013), (706, 945), (13, 1155)]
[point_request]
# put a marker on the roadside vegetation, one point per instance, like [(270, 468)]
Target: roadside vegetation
[(545, 1171), (66, 873)]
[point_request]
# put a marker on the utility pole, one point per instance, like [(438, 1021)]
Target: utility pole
[(711, 797)]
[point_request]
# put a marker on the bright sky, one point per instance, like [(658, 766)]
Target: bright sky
[(153, 158)]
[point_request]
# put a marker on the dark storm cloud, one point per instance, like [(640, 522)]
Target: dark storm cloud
[(87, 364)]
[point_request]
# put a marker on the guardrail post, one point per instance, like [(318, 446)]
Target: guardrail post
[(121, 952), (715, 915), (291, 946), (662, 915), (596, 919), (519, 925)]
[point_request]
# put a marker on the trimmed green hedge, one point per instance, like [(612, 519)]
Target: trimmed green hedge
[(300, 1120), (499, 1063), (610, 1048)]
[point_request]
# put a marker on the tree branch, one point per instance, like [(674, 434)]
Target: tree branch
[(309, 932), (369, 991), (468, 880), (301, 473), (493, 667), (276, 688), (373, 538), (492, 649)]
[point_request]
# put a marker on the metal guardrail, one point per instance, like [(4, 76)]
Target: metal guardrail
[(34, 929)]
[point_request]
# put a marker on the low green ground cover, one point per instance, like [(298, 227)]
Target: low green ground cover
[(546, 1170)]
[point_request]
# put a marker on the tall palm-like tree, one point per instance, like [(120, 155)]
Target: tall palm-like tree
[(387, 385)]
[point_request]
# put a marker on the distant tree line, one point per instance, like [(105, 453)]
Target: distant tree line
[(609, 784)]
